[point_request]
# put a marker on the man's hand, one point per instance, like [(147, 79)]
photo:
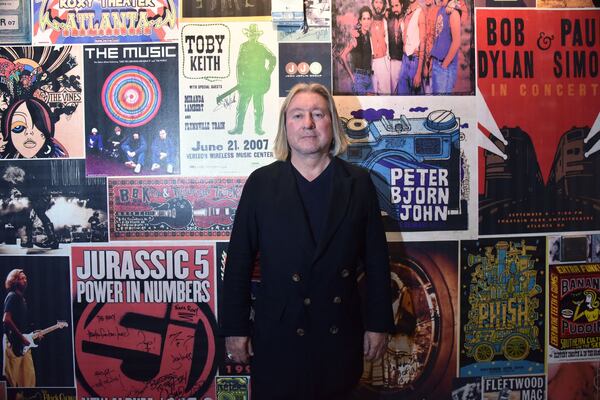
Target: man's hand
[(374, 344), (131, 153), (239, 348), (162, 155)]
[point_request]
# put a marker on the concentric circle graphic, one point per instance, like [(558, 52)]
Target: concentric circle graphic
[(131, 96)]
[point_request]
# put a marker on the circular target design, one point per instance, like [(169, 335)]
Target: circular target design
[(131, 96)]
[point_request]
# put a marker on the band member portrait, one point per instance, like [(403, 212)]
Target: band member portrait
[(316, 223), (357, 56), (379, 43), (163, 152), (413, 37), (134, 148), (28, 131), (444, 51), (95, 143), (114, 143), (18, 367)]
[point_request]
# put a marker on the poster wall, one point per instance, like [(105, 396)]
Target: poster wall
[(144, 322), (228, 94)]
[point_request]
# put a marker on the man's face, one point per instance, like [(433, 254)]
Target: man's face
[(136, 136), (378, 6), (22, 281), (396, 7), (25, 136), (162, 134), (308, 125), (117, 130), (365, 21)]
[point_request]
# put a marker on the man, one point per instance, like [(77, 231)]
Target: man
[(163, 152), (18, 368), (94, 222), (114, 142), (255, 64), (95, 144), (379, 45), (135, 151), (316, 223), (413, 36), (395, 43), (430, 9), (444, 53), (358, 54)]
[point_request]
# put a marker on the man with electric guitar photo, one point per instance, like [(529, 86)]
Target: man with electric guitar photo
[(18, 368)]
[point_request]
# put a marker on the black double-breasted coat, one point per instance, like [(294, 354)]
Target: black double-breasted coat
[(308, 328)]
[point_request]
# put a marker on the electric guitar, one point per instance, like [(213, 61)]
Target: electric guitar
[(20, 350)]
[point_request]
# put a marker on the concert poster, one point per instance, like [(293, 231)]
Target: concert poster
[(173, 208), (104, 21), (302, 63), (233, 10), (574, 289), (46, 205), (47, 295), (144, 321), (346, 27), (502, 330), (539, 161), (574, 381), (421, 158), (233, 387), (516, 387), (15, 21), (420, 359), (229, 367), (505, 3), (42, 87), (466, 388), (134, 128), (229, 97), (567, 3)]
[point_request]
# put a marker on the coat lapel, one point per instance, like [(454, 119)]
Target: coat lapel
[(338, 206), (291, 209)]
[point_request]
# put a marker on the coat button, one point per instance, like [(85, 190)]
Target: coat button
[(333, 330), (300, 332), (296, 277), (307, 301), (345, 273), (337, 299)]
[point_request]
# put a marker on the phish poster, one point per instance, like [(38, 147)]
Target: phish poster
[(229, 97), (173, 208), (420, 158), (144, 321), (503, 302), (41, 92), (104, 21), (420, 358), (134, 128), (539, 163)]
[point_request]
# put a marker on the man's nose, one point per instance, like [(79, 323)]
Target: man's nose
[(309, 122)]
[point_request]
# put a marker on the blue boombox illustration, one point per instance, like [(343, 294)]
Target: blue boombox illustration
[(426, 148)]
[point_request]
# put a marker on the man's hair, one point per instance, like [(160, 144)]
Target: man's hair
[(14, 175), (364, 9), (384, 5), (340, 142), (11, 279)]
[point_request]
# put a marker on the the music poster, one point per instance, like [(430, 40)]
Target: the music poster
[(144, 321), (133, 126), (173, 208), (229, 88)]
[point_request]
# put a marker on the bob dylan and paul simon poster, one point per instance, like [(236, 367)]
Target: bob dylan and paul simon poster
[(135, 90), (540, 165), (41, 87), (173, 208), (144, 321), (503, 302), (104, 21)]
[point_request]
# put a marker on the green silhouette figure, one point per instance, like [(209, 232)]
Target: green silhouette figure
[(255, 64)]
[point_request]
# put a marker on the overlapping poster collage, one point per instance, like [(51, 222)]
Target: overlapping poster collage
[(129, 128)]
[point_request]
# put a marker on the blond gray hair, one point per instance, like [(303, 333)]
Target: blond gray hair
[(281, 149)]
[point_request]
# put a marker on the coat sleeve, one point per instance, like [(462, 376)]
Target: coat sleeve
[(379, 314), (234, 319)]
